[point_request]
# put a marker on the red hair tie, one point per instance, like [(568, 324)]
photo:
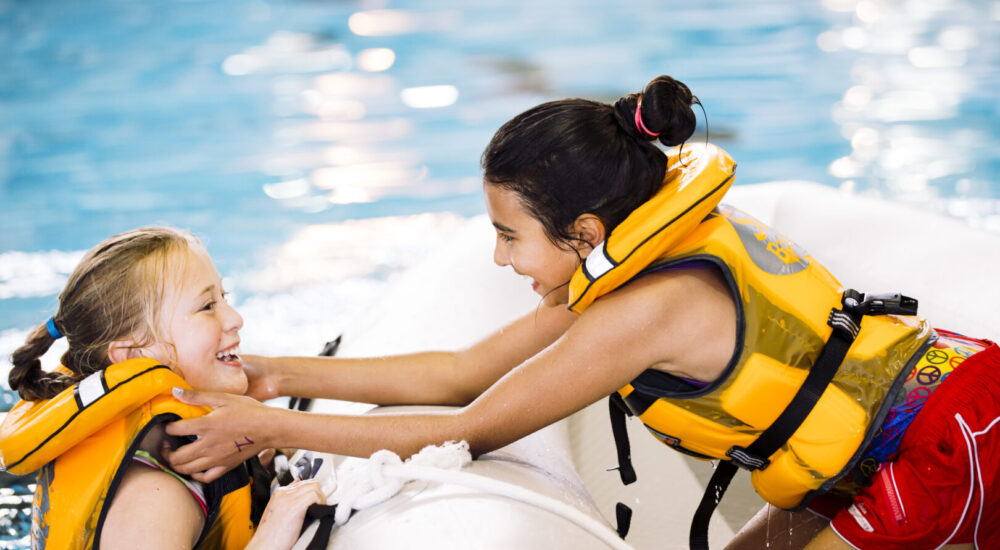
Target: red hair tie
[(638, 120)]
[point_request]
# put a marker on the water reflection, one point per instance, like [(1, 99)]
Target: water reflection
[(429, 97), (245, 122), (288, 52), (912, 66), (376, 59), (916, 65), (387, 22), (366, 182)]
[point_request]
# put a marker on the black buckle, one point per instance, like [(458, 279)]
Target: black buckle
[(888, 303), (746, 460)]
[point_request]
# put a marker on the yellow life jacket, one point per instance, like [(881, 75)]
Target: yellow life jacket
[(784, 300), (83, 440)]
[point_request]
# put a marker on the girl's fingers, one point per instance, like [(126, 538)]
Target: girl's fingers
[(306, 491), (193, 397), (266, 457), (210, 475), (189, 426)]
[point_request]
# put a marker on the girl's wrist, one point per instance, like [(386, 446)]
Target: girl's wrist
[(284, 370), (270, 376), (258, 419), (269, 431)]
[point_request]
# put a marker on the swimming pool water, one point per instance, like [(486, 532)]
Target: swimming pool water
[(245, 122), (318, 148)]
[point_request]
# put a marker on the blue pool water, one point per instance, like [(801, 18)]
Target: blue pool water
[(320, 147), (247, 121)]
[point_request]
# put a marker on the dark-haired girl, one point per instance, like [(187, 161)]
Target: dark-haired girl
[(706, 324)]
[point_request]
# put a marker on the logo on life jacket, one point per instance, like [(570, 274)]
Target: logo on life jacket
[(770, 251)]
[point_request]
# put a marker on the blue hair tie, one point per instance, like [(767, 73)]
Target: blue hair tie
[(53, 331)]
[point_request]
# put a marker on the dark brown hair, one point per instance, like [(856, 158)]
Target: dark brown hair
[(574, 156)]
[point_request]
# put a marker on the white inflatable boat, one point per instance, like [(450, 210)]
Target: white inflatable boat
[(560, 492)]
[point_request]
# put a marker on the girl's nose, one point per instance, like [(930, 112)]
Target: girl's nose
[(500, 256), (232, 318)]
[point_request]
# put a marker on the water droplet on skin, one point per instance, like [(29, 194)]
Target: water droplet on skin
[(767, 528)]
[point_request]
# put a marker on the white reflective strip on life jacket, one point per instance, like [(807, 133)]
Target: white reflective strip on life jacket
[(90, 389), (597, 263)]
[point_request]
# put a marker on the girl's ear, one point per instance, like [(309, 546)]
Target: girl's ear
[(120, 350), (589, 229)]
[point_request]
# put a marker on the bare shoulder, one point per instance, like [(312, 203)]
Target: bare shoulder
[(669, 297), (684, 321), (152, 509)]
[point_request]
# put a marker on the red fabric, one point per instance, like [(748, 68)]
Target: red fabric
[(942, 486)]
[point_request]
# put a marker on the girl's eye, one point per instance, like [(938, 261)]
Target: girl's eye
[(506, 238), (209, 306)]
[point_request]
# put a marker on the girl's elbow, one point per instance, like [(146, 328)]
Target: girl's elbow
[(461, 393), (480, 431), (463, 397), (479, 446)]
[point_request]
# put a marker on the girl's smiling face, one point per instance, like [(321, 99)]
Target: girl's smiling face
[(200, 329), (523, 244)]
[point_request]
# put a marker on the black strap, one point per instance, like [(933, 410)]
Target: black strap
[(755, 456), (623, 516), (846, 324), (617, 410), (324, 513), (724, 472), (260, 489)]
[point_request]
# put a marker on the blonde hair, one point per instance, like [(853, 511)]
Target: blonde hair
[(113, 293)]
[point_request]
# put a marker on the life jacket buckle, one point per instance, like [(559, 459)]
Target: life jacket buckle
[(747, 460), (888, 303), (846, 323)]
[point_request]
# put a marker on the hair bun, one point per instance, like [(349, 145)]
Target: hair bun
[(666, 111)]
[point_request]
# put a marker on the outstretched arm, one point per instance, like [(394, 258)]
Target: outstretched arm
[(609, 345), (602, 350), (428, 378)]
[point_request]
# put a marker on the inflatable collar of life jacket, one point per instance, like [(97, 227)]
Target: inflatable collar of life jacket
[(697, 177), (37, 432)]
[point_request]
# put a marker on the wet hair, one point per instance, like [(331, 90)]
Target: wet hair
[(574, 156), (112, 294)]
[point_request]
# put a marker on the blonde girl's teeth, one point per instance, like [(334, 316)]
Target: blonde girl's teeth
[(229, 354)]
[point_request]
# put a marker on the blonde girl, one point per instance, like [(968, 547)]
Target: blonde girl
[(143, 312)]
